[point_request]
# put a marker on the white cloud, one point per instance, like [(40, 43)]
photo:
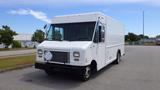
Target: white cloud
[(36, 14)]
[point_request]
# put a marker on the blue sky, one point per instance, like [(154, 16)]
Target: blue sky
[(29, 15)]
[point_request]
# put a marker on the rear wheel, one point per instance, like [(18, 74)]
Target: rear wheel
[(86, 73)]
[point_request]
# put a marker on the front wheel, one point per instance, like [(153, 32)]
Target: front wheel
[(86, 73), (49, 72)]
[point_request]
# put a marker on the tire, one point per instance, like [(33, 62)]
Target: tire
[(49, 72), (86, 74), (118, 59)]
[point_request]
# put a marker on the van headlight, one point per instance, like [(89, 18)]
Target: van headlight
[(40, 52), (48, 55), (76, 54)]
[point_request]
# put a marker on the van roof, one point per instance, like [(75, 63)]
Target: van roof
[(72, 18), (79, 14)]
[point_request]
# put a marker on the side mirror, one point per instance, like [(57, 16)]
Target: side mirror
[(96, 37), (99, 33), (45, 26), (45, 29), (95, 40), (99, 28)]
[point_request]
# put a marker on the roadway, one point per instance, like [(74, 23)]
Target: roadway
[(139, 70)]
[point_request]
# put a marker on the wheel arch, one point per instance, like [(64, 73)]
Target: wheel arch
[(119, 51), (93, 66)]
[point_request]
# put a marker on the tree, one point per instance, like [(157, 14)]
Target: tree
[(38, 36), (126, 38), (158, 36), (6, 35), (133, 37), (141, 36), (16, 44)]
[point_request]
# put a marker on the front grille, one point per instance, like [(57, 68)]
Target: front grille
[(60, 56)]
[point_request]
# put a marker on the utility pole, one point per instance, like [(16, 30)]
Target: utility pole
[(143, 27)]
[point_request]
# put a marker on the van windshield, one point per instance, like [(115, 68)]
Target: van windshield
[(71, 32)]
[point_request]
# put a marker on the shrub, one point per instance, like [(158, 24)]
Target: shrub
[(16, 44)]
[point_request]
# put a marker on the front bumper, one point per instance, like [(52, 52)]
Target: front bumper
[(59, 67)]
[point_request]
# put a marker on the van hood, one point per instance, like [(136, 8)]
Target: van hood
[(59, 45)]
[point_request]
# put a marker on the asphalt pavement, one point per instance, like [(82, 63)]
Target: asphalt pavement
[(139, 70)]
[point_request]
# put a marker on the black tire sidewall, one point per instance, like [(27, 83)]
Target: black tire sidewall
[(83, 76), (49, 72)]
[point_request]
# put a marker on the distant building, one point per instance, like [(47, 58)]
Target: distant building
[(25, 40), (2, 46), (150, 40), (158, 41)]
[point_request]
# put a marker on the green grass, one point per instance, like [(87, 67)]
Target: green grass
[(14, 62), (14, 49), (150, 44)]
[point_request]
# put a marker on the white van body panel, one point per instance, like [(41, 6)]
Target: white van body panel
[(66, 46), (86, 17), (103, 53)]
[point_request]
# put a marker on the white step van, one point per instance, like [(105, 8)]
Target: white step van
[(84, 43)]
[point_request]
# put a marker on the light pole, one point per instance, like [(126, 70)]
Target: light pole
[(143, 26)]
